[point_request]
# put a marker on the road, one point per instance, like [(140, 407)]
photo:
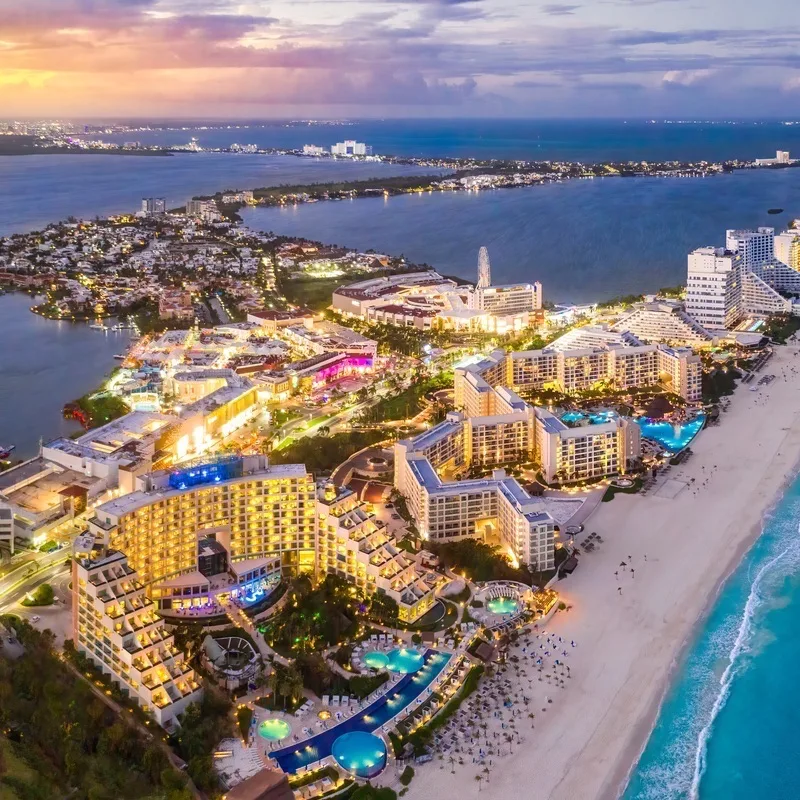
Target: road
[(28, 573)]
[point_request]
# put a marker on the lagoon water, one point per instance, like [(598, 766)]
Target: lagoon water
[(44, 364), (728, 727), (35, 190), (584, 240)]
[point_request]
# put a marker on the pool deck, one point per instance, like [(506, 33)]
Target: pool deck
[(370, 719)]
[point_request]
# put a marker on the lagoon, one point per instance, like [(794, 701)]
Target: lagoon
[(37, 190), (43, 365), (584, 240)]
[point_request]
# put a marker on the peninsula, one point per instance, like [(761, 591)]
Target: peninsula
[(367, 513)]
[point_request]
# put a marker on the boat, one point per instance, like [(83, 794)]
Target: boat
[(98, 326), (120, 356), (774, 211), (5, 452)]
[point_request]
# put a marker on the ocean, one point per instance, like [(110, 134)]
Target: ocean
[(728, 727), (567, 140)]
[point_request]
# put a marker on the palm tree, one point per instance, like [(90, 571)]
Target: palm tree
[(479, 778), (285, 687)]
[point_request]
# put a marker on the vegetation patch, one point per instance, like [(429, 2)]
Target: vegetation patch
[(244, 716), (43, 595), (409, 402), (611, 491), (480, 562), (74, 745), (364, 685), (324, 453), (407, 775)]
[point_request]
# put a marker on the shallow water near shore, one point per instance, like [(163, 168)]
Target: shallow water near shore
[(728, 724)]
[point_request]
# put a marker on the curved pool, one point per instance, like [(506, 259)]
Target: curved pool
[(274, 729), (404, 660), (363, 754), (503, 605), (375, 659), (672, 436)]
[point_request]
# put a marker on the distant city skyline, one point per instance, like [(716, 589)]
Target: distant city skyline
[(448, 58)]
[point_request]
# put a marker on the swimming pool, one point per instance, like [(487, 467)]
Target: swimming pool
[(595, 417), (375, 659), (361, 753), (404, 660), (503, 605), (408, 689), (672, 436), (274, 729)]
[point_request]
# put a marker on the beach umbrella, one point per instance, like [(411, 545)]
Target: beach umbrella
[(623, 564)]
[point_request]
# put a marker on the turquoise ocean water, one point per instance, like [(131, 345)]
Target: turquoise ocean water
[(728, 728)]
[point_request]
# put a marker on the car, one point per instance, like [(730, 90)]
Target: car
[(396, 516), (35, 618)]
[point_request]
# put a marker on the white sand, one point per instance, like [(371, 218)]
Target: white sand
[(586, 742)]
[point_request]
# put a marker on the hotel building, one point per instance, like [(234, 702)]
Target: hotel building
[(498, 427), (746, 278), (585, 452), (663, 321), (712, 288), (355, 545), (508, 299), (787, 249), (492, 509), (262, 517), (426, 300), (581, 359), (115, 625), (7, 528)]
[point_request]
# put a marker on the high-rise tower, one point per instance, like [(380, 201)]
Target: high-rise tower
[(484, 269)]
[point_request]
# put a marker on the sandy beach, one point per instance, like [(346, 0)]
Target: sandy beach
[(682, 540)]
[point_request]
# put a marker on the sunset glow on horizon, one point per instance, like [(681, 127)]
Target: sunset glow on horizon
[(252, 59)]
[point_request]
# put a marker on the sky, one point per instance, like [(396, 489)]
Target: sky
[(391, 58)]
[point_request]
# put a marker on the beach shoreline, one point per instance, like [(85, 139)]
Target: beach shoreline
[(685, 539), (628, 761)]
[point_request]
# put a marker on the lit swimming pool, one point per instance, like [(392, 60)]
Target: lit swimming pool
[(404, 660), (595, 417), (274, 729), (361, 753), (375, 659), (407, 690), (672, 436), (502, 605)]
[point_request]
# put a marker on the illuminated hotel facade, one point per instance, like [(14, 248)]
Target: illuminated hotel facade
[(262, 517), (497, 427), (115, 625), (582, 359), (355, 545)]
